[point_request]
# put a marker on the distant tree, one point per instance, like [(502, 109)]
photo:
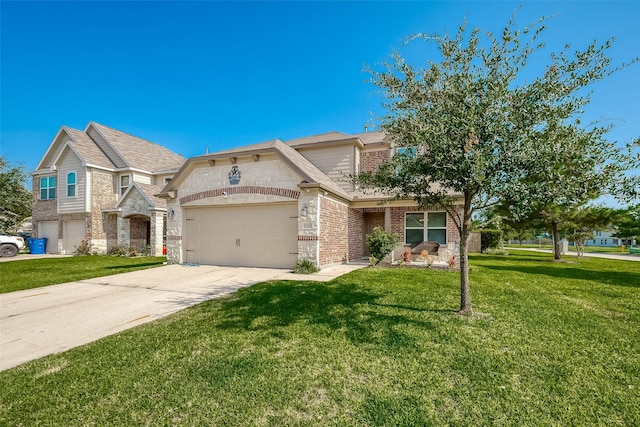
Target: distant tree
[(475, 129), (628, 226), (16, 202), (580, 224)]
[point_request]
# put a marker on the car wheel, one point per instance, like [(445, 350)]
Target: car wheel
[(8, 250)]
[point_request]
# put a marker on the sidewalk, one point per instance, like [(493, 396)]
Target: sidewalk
[(622, 257)]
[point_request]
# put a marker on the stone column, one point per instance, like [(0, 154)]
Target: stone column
[(309, 227), (124, 232), (155, 240)]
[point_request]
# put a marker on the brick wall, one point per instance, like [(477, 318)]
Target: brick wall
[(43, 210), (398, 215), (356, 233), (138, 232), (334, 232), (371, 160)]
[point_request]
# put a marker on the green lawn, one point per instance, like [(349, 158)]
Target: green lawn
[(34, 273), (551, 344), (587, 249)]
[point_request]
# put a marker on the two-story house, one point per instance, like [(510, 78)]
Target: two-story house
[(274, 203), (100, 184)]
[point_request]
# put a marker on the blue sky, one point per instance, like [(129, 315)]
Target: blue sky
[(210, 75)]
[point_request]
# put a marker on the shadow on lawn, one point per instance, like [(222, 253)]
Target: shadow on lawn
[(610, 277), (356, 313), (122, 267)]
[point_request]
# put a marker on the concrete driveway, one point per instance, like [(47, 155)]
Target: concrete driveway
[(42, 321)]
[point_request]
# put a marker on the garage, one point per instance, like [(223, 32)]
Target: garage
[(73, 232), (252, 236), (49, 230)]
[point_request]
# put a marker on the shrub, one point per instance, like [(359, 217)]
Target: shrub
[(496, 251), (84, 248), (380, 244), (305, 267), (490, 239), (124, 251)]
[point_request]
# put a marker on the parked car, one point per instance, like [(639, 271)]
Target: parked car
[(10, 245)]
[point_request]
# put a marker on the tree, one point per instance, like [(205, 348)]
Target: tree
[(16, 201), (628, 226), (476, 130), (580, 224)]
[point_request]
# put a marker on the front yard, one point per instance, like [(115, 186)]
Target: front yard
[(551, 344), (34, 273)]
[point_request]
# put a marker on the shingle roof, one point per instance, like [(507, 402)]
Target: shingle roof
[(150, 191), (139, 153), (87, 149), (316, 139)]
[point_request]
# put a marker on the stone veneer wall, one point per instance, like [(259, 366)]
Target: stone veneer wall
[(174, 232), (102, 226), (371, 160), (308, 222), (334, 231)]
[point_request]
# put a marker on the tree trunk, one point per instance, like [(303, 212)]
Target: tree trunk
[(556, 241), (465, 291)]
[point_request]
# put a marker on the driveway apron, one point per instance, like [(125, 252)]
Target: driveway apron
[(42, 321)]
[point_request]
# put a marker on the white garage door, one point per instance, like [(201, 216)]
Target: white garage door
[(73, 235), (49, 230), (255, 236)]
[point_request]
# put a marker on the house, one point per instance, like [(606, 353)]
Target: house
[(607, 238), (100, 184), (274, 203)]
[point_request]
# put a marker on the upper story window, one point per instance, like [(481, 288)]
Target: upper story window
[(409, 152), (71, 184), (48, 188), (167, 180), (425, 226), (124, 183)]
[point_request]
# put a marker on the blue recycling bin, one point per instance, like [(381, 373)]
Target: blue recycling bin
[(37, 246)]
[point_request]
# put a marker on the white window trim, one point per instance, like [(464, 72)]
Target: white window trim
[(124, 189), (48, 188), (426, 225), (75, 185)]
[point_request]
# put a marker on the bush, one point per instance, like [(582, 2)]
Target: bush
[(495, 251), (490, 239), (305, 267), (84, 249), (380, 244)]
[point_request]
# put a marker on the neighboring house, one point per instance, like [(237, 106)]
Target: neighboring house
[(607, 238), (99, 184), (274, 203)]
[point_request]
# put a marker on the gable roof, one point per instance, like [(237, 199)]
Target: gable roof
[(296, 161), (111, 149), (148, 192), (139, 153)]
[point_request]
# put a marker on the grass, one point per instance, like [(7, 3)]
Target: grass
[(550, 344), (587, 249), (34, 273)]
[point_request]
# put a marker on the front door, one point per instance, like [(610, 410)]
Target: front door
[(371, 221)]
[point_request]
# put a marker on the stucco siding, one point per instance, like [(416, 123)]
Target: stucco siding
[(205, 182)]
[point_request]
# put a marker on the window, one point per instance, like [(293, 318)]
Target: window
[(167, 180), (124, 183), (71, 184), (425, 226), (48, 188)]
